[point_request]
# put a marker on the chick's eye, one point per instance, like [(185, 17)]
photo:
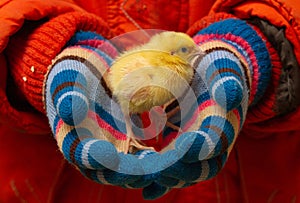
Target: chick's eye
[(184, 49)]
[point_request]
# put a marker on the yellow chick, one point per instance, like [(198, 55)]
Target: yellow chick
[(152, 75)]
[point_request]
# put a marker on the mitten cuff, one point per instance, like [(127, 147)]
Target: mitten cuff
[(31, 51)]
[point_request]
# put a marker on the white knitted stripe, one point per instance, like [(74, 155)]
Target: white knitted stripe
[(85, 153), (101, 178), (204, 152), (204, 172), (223, 80), (73, 93), (210, 58)]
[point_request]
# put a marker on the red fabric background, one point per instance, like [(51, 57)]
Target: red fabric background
[(264, 165)]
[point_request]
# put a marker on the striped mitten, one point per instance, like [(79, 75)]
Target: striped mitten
[(235, 72)]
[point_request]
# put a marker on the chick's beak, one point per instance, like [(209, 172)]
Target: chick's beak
[(196, 56)]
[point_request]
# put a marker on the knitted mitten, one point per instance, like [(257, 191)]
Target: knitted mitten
[(231, 77), (88, 124)]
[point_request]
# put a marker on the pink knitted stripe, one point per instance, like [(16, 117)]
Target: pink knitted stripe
[(206, 104), (238, 116), (59, 125), (103, 124), (201, 107), (102, 45)]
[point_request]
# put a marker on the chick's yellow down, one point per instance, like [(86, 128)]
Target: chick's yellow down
[(151, 75)]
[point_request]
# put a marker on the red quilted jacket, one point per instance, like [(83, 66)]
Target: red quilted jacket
[(263, 167)]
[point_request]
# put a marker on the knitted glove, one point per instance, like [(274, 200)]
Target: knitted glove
[(88, 124)]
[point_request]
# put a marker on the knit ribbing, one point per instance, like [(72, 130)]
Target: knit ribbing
[(264, 109), (30, 53), (285, 100)]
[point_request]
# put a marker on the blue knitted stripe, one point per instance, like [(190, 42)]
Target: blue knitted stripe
[(91, 174), (156, 162), (218, 145), (73, 91), (73, 149), (143, 181), (167, 181), (83, 35), (70, 139), (230, 92), (82, 155), (223, 67), (55, 122), (187, 172), (101, 101), (71, 70), (69, 96), (192, 155), (73, 76), (73, 108), (215, 165), (154, 191), (60, 79), (93, 163), (108, 118), (221, 132), (221, 123), (79, 148), (83, 39), (117, 178)]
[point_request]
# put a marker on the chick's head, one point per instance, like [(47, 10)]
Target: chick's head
[(176, 43)]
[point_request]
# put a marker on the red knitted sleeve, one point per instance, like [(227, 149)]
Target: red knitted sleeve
[(30, 51)]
